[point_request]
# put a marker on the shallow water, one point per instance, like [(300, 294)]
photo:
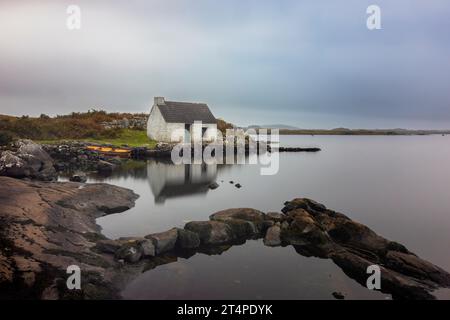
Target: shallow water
[(396, 185)]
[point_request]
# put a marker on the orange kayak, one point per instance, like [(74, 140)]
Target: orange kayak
[(110, 150)]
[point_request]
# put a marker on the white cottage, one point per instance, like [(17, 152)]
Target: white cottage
[(167, 118)]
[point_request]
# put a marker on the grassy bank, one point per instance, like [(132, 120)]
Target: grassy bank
[(77, 126), (129, 137)]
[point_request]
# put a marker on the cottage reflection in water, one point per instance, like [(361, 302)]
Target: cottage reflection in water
[(170, 181)]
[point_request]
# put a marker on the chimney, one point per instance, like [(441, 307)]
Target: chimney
[(158, 100)]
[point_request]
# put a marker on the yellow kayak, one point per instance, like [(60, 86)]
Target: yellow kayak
[(110, 150)]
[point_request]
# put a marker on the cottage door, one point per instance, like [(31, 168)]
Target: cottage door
[(187, 133)]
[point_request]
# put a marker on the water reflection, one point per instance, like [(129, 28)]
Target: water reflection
[(167, 180), (373, 179), (250, 271), (170, 181)]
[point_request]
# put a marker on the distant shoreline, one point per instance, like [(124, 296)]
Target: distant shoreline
[(363, 132)]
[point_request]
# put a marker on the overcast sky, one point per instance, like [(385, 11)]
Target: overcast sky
[(309, 64)]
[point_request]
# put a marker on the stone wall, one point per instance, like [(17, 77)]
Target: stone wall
[(135, 122)]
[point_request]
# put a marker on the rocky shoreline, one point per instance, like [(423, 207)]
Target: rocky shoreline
[(48, 226), (27, 159), (73, 155)]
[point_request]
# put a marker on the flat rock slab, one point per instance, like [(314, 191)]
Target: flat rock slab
[(47, 226), (164, 241)]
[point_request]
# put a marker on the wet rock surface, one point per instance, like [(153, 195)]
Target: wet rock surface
[(317, 231), (129, 252), (105, 167), (338, 295), (211, 232), (187, 239), (213, 186), (78, 177), (48, 226), (164, 241), (254, 219), (272, 237)]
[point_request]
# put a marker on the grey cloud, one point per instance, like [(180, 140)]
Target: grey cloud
[(250, 60)]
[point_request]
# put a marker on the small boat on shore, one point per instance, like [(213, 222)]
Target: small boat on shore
[(111, 151)]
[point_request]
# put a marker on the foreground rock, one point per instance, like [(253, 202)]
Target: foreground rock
[(272, 238), (230, 226), (187, 239), (315, 230), (28, 161), (255, 220), (164, 241), (78, 177), (105, 167), (48, 226)]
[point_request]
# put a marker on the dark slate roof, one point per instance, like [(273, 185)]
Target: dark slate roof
[(186, 112)]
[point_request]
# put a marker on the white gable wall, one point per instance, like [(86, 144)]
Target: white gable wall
[(158, 129)]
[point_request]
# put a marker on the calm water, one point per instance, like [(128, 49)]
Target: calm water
[(397, 185)]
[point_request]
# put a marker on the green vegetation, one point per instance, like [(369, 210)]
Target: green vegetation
[(129, 137), (132, 138)]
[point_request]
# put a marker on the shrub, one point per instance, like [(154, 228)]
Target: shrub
[(6, 138), (222, 126)]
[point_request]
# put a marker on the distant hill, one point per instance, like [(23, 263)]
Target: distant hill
[(273, 126), (341, 129), (291, 130)]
